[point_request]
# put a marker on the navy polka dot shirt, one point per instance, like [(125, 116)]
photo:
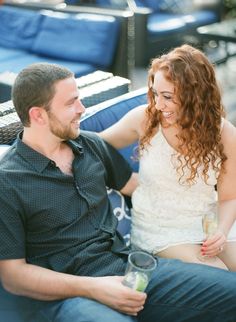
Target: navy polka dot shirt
[(62, 222)]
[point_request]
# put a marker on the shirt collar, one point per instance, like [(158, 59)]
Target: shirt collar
[(76, 146), (38, 160)]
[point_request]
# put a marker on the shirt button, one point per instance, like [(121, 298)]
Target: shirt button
[(53, 163)]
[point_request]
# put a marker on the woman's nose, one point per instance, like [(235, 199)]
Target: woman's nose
[(159, 103)]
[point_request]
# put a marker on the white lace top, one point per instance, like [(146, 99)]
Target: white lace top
[(165, 212)]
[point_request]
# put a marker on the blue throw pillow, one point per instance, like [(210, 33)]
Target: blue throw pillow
[(122, 213)]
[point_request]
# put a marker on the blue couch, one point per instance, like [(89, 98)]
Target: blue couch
[(163, 24), (14, 308), (79, 39), (160, 25)]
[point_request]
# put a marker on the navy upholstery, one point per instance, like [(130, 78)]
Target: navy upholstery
[(164, 24), (101, 116), (82, 42), (14, 308)]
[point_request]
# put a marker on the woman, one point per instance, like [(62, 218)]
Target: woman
[(186, 150)]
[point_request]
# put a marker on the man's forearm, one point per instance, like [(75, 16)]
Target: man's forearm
[(41, 283)]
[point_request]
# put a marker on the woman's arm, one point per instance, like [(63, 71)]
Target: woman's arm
[(226, 185), (226, 188), (127, 130)]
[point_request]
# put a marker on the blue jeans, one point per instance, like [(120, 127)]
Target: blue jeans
[(177, 292)]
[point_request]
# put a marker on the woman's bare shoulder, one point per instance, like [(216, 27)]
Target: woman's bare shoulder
[(228, 135), (139, 111), (138, 117)]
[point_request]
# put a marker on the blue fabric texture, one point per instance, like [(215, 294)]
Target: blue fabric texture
[(18, 27), (90, 38), (112, 3), (122, 213), (10, 53), (16, 64), (161, 24), (200, 18), (173, 6), (81, 42)]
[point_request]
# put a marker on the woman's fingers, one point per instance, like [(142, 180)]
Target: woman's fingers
[(214, 244)]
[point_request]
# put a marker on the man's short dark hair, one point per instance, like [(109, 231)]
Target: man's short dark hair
[(35, 86)]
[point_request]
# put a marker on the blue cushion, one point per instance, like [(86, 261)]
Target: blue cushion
[(103, 115), (9, 53), (173, 6), (112, 3), (18, 27), (161, 24), (90, 38), (122, 213), (200, 18), (16, 65)]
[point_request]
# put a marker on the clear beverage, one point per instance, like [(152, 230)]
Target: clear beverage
[(136, 280), (209, 226), (139, 269)]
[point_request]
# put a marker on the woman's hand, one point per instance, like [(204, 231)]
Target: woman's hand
[(214, 244)]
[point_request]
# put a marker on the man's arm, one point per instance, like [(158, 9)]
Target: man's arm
[(40, 283), (131, 185)]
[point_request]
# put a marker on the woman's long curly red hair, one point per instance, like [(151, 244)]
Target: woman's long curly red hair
[(201, 110)]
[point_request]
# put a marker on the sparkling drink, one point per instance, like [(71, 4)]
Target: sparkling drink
[(209, 223), (209, 226)]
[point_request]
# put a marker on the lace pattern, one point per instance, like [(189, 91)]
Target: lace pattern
[(165, 212)]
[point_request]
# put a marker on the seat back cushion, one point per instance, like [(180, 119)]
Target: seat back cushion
[(90, 38), (173, 6), (18, 27)]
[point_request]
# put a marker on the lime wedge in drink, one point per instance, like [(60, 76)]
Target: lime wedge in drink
[(136, 280), (141, 281)]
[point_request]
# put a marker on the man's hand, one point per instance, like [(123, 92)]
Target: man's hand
[(110, 291)]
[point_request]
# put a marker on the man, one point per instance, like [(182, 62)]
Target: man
[(58, 243)]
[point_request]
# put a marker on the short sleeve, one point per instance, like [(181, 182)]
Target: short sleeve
[(12, 235), (118, 170)]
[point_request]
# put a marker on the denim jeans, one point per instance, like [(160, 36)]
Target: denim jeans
[(177, 292)]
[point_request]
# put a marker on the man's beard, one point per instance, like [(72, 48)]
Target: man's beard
[(60, 130)]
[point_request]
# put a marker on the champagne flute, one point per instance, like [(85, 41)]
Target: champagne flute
[(209, 225)]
